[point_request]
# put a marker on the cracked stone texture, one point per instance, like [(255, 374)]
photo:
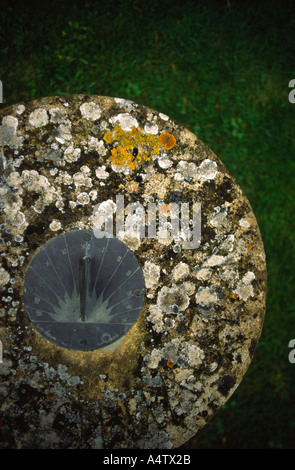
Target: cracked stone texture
[(60, 159)]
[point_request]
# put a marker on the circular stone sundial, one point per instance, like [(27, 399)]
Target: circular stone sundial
[(132, 277), (83, 292)]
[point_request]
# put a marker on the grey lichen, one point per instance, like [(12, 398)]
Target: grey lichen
[(168, 297), (8, 133)]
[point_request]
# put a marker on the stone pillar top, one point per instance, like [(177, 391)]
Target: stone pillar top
[(137, 352)]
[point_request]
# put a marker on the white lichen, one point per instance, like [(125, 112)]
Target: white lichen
[(155, 358), (185, 171), (126, 104), (83, 199), (219, 219), (72, 154), (164, 117), (248, 277), (16, 218), (38, 117), (205, 297), (180, 272), (96, 145), (8, 132), (244, 223), (156, 318), (204, 274), (55, 225), (64, 178), (151, 273), (228, 243), (192, 353), (14, 179), (90, 111), (229, 275), (207, 170), (164, 162), (172, 299), (101, 173), (189, 287), (93, 194), (125, 120), (244, 288), (20, 109), (63, 132), (57, 115), (82, 178), (4, 277), (31, 180), (214, 260), (151, 128)]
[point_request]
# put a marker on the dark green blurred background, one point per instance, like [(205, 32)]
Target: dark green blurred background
[(221, 68)]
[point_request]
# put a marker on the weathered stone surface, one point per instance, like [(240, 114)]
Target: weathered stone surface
[(60, 157)]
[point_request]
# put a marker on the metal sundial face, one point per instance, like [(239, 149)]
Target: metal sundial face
[(83, 292)]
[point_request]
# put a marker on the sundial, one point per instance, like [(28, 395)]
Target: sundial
[(83, 292), (132, 277)]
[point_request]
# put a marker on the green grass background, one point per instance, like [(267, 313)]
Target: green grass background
[(220, 68)]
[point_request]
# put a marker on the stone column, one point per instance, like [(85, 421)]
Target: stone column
[(81, 371)]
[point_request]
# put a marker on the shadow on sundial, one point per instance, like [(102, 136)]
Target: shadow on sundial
[(83, 292)]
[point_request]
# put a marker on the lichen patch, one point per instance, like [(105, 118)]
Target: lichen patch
[(90, 111), (38, 117)]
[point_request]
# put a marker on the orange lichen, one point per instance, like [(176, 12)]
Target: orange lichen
[(235, 296), (249, 247), (120, 157), (170, 364), (165, 208), (167, 140), (134, 146), (108, 137)]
